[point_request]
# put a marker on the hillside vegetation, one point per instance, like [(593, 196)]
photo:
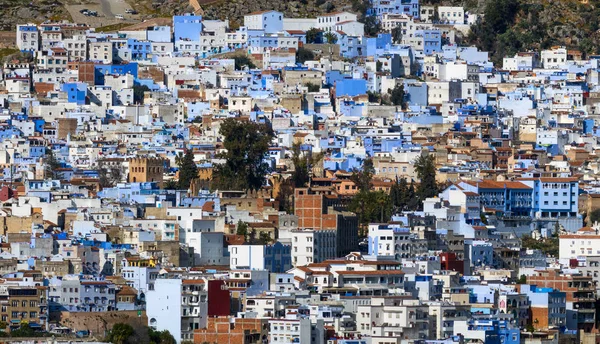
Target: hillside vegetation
[(510, 26)]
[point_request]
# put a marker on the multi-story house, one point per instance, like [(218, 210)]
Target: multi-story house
[(296, 331), (276, 258), (508, 198), (312, 245), (580, 296), (81, 295), (394, 318), (25, 304), (409, 7), (28, 37), (547, 305)]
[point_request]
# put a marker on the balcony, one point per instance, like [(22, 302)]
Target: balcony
[(586, 310)]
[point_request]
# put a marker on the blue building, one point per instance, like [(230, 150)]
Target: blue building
[(431, 40), (115, 69), (274, 258), (480, 253), (350, 87), (159, 34), (554, 197), (409, 7), (187, 27), (549, 303), (140, 50), (508, 198), (76, 92)]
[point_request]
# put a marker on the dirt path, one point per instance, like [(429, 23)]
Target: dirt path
[(107, 9)]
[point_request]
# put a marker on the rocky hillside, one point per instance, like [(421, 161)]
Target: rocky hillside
[(13, 12), (510, 26)]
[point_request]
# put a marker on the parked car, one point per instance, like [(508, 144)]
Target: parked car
[(82, 334), (119, 16), (92, 13), (131, 11), (84, 11)]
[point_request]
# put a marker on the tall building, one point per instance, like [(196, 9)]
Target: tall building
[(25, 304), (322, 210), (146, 169), (179, 306)]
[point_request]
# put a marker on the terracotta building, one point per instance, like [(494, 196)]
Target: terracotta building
[(146, 169), (580, 293), (233, 331)]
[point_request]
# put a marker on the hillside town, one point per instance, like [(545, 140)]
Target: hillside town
[(345, 179)]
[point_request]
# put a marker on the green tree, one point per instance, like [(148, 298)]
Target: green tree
[(303, 55), (120, 333), (499, 17), (549, 246), (264, 238), (187, 169), (23, 331), (374, 97), (425, 168), (313, 36), (361, 7), (242, 229), (363, 178), (138, 93), (109, 177), (399, 194), (435, 18), (331, 38), (170, 184), (594, 216), (246, 144), (372, 26), (241, 61), (303, 162), (397, 34), (397, 96), (312, 87), (51, 165), (371, 206), (413, 200), (522, 280), (161, 337)]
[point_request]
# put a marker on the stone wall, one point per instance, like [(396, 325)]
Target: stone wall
[(98, 323)]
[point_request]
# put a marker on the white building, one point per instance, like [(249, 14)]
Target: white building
[(451, 14), (284, 331), (269, 21), (585, 242), (521, 61), (179, 306), (555, 58), (28, 37), (140, 278), (101, 52), (77, 47), (312, 246), (329, 21)]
